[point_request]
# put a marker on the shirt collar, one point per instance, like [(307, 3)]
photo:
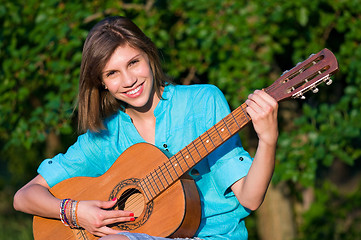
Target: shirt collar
[(166, 97)]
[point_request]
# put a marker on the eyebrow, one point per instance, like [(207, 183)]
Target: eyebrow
[(134, 57), (131, 59)]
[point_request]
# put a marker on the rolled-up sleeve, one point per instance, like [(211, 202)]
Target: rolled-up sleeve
[(79, 160)]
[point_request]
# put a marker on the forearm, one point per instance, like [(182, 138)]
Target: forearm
[(251, 189), (36, 199), (260, 173)]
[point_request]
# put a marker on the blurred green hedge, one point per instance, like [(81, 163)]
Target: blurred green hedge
[(237, 45)]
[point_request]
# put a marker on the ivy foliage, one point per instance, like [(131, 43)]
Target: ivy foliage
[(237, 45), (333, 209)]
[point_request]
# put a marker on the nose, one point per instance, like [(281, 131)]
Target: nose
[(129, 79)]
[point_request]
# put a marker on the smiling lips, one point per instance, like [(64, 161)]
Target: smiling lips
[(135, 92)]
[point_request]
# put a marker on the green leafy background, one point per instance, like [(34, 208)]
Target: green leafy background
[(237, 45)]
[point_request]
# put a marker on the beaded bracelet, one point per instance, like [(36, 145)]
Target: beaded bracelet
[(63, 205), (68, 213), (74, 214)]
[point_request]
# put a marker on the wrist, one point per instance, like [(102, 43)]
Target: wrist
[(68, 213), (270, 142)]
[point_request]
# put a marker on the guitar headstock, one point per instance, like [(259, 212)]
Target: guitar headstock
[(305, 76)]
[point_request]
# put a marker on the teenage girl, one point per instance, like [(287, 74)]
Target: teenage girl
[(125, 98)]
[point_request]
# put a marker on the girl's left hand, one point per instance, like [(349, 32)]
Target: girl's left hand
[(263, 110)]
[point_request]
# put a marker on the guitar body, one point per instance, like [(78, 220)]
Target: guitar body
[(176, 212)]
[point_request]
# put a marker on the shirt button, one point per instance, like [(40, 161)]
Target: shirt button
[(194, 172), (165, 145), (50, 162), (241, 158)]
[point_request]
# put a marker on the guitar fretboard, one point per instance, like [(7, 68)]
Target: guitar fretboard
[(170, 171), (303, 77)]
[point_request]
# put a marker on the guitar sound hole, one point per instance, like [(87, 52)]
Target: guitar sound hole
[(132, 200)]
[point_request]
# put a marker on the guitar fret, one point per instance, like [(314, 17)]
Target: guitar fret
[(200, 139), (190, 154), (160, 180), (215, 127), (151, 184), (145, 192), (178, 164), (210, 139), (245, 113), (170, 160), (165, 166), (149, 192), (184, 159), (235, 120), (230, 133), (155, 183), (197, 149), (155, 176), (214, 136)]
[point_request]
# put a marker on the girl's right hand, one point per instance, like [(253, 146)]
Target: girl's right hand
[(94, 217)]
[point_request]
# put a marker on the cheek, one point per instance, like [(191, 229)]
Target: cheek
[(143, 70), (112, 86), (112, 83)]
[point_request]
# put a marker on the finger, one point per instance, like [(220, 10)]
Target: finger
[(107, 204), (261, 102), (118, 220), (266, 98), (116, 214), (258, 97), (103, 231), (254, 104), (251, 112)]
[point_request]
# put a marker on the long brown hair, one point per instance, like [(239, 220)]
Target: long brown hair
[(94, 102)]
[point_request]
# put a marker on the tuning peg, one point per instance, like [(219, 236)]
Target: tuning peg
[(302, 97), (315, 90), (329, 81)]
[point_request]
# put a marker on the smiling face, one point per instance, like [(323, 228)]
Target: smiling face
[(128, 77)]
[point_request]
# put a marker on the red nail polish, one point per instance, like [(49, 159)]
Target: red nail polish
[(114, 199), (132, 219), (131, 214)]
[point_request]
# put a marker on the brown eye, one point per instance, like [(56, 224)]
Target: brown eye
[(133, 62), (110, 73)]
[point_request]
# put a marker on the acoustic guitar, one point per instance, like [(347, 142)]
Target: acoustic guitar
[(165, 201)]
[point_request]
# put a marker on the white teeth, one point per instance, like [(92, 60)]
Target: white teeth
[(134, 91)]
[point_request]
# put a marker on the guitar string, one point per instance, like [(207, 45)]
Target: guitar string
[(200, 142), (213, 131), (313, 77), (300, 71), (156, 182), (190, 149)]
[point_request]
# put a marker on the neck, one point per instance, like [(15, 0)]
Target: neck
[(145, 112)]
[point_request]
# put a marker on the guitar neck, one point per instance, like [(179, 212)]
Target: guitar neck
[(294, 83), (163, 176)]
